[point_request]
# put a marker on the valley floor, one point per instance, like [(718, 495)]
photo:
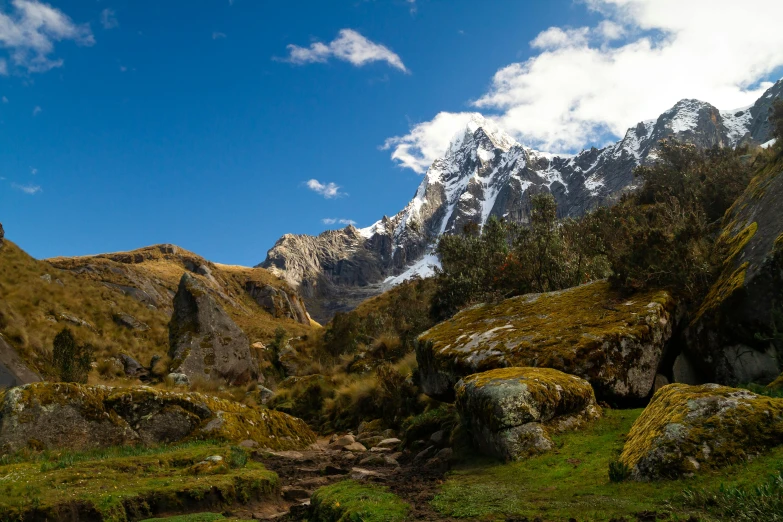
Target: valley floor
[(570, 483)]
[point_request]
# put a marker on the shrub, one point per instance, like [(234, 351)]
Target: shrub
[(618, 471), (776, 119), (70, 359), (237, 457)]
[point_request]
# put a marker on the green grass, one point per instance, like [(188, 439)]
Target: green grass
[(350, 501), (128, 483), (573, 481)]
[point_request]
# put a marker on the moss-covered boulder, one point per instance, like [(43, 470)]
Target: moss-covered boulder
[(204, 341), (65, 415), (614, 342), (736, 336), (688, 428), (511, 412)]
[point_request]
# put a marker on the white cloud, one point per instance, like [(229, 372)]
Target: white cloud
[(585, 84), (27, 189), (109, 19), (29, 31), (37, 110), (327, 190), (217, 35), (349, 46), (33, 171), (341, 221), (5, 100)]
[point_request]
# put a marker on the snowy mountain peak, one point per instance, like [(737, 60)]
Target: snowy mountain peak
[(469, 135)]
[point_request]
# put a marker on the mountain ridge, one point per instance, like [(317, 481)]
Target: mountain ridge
[(484, 173)]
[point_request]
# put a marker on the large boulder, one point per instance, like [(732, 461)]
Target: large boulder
[(688, 428), (511, 412), (74, 416), (204, 341), (13, 371), (737, 334), (615, 343)]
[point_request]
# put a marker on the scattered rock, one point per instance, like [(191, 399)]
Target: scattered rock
[(356, 447), (331, 470), (46, 278), (590, 331), (380, 450), (249, 444), (265, 394), (76, 321), (342, 441), (510, 412), (438, 437), (204, 340), (178, 379), (425, 454), (130, 322), (293, 493), (687, 428), (364, 474), (131, 366), (74, 416), (391, 443)]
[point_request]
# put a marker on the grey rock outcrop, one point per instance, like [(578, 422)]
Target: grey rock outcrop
[(13, 371), (486, 173), (204, 341), (278, 302), (737, 334)]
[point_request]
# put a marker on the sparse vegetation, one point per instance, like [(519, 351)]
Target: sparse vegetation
[(351, 501)]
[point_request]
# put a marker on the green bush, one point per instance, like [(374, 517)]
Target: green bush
[(70, 359), (618, 471)]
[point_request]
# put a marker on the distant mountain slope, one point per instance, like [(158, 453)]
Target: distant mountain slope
[(122, 302), (487, 173)]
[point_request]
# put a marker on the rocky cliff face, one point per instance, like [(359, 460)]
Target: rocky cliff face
[(487, 173)]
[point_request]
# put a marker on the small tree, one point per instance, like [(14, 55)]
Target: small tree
[(71, 360), (776, 119)]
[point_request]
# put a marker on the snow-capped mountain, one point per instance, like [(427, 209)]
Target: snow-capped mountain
[(485, 172)]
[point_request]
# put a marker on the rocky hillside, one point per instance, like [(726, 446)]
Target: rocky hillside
[(123, 302), (487, 173)]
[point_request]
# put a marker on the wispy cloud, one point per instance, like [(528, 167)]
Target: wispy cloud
[(27, 189), (33, 171), (412, 4), (29, 30), (586, 84), (109, 19), (37, 110), (349, 46), (327, 190), (341, 221), (5, 100), (218, 35)]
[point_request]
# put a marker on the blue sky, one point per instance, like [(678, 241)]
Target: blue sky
[(146, 122)]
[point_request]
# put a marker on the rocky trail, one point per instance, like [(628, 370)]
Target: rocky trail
[(413, 477)]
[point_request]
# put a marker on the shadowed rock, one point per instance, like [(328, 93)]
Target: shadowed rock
[(204, 341)]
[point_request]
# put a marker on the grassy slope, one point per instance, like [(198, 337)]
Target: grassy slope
[(128, 480), (573, 481), (29, 305)]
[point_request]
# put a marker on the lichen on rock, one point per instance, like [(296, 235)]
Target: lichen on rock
[(591, 331), (688, 428), (511, 412), (74, 416)]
